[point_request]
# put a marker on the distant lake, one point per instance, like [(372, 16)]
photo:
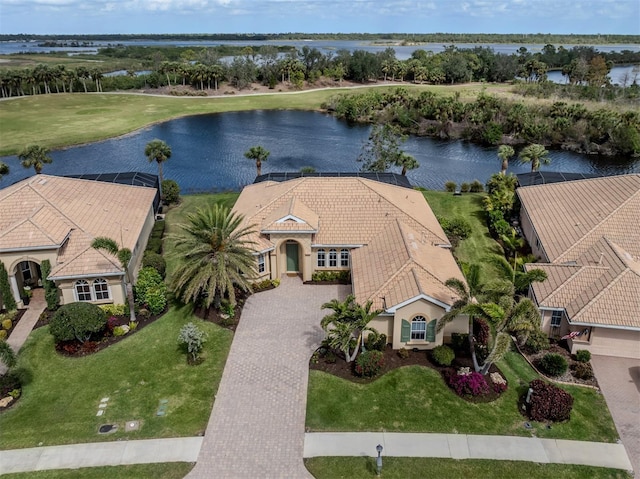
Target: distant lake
[(208, 152)]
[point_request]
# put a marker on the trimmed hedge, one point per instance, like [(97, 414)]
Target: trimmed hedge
[(548, 402), (77, 321), (151, 259), (537, 341), (583, 355), (443, 355), (553, 364)]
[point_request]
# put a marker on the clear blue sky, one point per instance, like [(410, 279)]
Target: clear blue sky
[(319, 16)]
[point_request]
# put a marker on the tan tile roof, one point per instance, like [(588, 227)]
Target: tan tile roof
[(43, 210), (570, 217), (399, 233), (603, 287)]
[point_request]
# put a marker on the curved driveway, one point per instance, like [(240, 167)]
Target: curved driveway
[(256, 428)]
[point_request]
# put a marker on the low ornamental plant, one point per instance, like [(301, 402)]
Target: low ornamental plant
[(582, 371), (499, 383), (369, 364), (481, 331), (553, 364), (548, 402), (583, 355), (443, 355), (192, 339), (468, 383), (403, 353)]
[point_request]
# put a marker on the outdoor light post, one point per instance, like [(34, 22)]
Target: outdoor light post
[(379, 459)]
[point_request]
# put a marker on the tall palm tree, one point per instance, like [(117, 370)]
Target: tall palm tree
[(535, 154), (35, 156), (124, 257), (4, 169), (216, 256), (505, 153), (158, 151), (407, 162), (520, 279), (258, 154)]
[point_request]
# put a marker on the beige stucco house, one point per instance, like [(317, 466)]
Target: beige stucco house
[(587, 235), (385, 234), (56, 218)]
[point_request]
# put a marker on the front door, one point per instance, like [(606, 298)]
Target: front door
[(292, 258)]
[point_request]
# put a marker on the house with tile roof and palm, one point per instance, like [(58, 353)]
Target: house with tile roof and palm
[(385, 234), (56, 218), (587, 236)]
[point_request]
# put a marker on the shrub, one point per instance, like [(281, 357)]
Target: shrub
[(133, 325), (120, 330), (77, 321), (457, 227), (369, 363), (7, 324), (481, 331), (112, 322), (443, 355), (144, 313), (155, 245), (476, 187), (148, 279), (3, 334), (464, 188), (330, 357), (582, 355), (553, 364), (548, 402), (156, 299), (5, 290), (403, 353), (459, 341), (537, 341), (499, 383), (468, 383), (170, 192), (582, 371), (192, 339), (339, 276), (376, 341), (50, 288), (113, 309), (450, 186), (501, 228), (151, 259)]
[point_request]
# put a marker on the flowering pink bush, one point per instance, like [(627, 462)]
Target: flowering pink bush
[(112, 322), (499, 383), (469, 384)]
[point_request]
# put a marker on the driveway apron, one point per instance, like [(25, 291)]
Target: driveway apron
[(619, 379), (256, 428)]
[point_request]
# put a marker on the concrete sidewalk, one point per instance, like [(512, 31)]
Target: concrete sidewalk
[(464, 446), (116, 453)]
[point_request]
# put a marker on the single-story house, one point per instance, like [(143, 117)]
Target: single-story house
[(384, 234), (587, 235), (55, 218)]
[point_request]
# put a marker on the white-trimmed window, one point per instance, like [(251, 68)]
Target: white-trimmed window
[(322, 258), (344, 258), (260, 263), (101, 289), (83, 290), (333, 258), (556, 319), (419, 328)]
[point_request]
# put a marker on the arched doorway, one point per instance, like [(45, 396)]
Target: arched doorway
[(27, 275)]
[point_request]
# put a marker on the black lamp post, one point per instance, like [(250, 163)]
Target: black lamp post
[(379, 459)]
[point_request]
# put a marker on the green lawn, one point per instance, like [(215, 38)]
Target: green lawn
[(480, 244), (416, 399), (168, 470), (419, 468), (61, 395)]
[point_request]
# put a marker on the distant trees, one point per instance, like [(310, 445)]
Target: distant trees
[(382, 150)]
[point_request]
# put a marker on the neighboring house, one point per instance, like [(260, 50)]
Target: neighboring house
[(56, 218), (587, 235), (385, 234)]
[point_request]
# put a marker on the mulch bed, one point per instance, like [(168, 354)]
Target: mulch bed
[(217, 317), (561, 348), (392, 360), (15, 320), (8, 383)]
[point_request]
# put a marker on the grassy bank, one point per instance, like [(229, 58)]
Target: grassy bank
[(418, 468), (168, 470)]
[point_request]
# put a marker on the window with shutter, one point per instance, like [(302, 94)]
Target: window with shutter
[(405, 332), (431, 331)]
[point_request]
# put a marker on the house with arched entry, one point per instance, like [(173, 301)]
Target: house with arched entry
[(377, 227), (56, 219)]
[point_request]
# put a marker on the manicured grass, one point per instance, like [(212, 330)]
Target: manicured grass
[(416, 399), (60, 395), (480, 244), (59, 120), (419, 468), (167, 470)]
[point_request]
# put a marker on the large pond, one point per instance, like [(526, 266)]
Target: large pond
[(208, 152)]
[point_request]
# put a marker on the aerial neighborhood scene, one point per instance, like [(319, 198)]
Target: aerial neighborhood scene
[(319, 239)]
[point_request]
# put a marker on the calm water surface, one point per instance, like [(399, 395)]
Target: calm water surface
[(208, 152)]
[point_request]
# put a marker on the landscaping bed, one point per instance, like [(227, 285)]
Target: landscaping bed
[(568, 376), (15, 319)]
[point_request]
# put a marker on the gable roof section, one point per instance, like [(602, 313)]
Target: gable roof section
[(293, 215), (571, 217)]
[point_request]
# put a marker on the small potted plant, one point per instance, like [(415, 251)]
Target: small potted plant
[(26, 296)]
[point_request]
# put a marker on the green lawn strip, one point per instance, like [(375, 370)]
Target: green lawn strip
[(61, 395), (416, 399), (480, 244), (167, 470), (419, 468)]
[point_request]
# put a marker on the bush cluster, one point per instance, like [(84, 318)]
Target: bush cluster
[(443, 355), (340, 276), (548, 402), (450, 186), (50, 289), (403, 353), (77, 321), (553, 364), (369, 364), (537, 341), (583, 355), (376, 341), (170, 192), (456, 228), (468, 383), (582, 371), (151, 259), (114, 309), (150, 290)]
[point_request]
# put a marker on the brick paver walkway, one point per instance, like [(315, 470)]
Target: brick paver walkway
[(256, 428), (619, 379)]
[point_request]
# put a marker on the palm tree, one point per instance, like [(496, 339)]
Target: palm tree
[(216, 256), (7, 355), (520, 279), (407, 162), (535, 154), (258, 154), (35, 156), (124, 256), (158, 151), (505, 153), (4, 169)]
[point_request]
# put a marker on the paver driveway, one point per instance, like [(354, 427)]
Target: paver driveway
[(256, 428), (619, 379)]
